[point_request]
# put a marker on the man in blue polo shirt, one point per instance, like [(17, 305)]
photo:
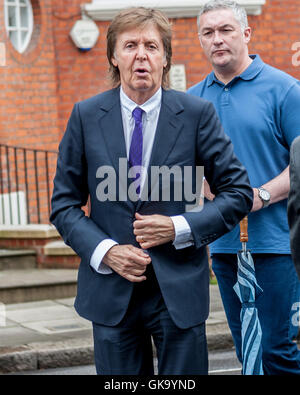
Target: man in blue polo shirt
[(259, 109)]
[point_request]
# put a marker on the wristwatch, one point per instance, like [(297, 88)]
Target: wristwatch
[(264, 196)]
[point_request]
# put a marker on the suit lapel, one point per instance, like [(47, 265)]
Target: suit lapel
[(168, 128), (112, 128)]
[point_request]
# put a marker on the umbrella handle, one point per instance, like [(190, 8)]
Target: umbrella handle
[(244, 230)]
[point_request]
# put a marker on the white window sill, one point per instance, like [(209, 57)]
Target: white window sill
[(103, 10)]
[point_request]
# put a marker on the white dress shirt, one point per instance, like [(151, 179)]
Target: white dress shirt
[(151, 108)]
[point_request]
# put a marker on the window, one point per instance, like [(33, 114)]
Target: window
[(18, 22)]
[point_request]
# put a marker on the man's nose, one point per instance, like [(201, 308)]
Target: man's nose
[(218, 39), (141, 52)]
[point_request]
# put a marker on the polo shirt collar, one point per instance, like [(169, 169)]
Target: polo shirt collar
[(253, 69), (251, 72), (211, 78)]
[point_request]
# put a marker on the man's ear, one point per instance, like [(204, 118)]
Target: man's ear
[(114, 61), (247, 34)]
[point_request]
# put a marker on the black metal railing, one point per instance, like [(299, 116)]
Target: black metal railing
[(26, 176)]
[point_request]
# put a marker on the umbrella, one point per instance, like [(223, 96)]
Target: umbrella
[(248, 291)]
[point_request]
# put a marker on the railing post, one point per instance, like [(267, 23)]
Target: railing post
[(1, 185), (37, 191), (26, 184), (47, 182), (8, 184), (37, 186), (17, 185)]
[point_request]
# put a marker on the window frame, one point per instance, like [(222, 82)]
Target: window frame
[(105, 10), (18, 44)]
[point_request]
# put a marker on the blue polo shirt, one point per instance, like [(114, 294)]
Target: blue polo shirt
[(260, 112)]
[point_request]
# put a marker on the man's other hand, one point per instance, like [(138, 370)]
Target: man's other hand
[(153, 230), (128, 261)]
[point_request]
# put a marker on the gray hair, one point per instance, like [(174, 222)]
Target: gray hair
[(238, 11)]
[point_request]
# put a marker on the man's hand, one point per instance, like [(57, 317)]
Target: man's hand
[(153, 230), (128, 261)]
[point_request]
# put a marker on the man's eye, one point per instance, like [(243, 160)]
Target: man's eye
[(207, 34), (152, 46)]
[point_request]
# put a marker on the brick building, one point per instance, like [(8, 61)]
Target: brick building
[(42, 72)]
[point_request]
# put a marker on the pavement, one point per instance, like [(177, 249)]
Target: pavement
[(49, 334)]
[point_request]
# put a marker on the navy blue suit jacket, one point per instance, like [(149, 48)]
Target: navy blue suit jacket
[(293, 208), (188, 134)]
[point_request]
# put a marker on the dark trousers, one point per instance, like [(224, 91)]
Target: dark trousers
[(278, 308), (126, 349)]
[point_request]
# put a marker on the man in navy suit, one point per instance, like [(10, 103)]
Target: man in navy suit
[(144, 268), (294, 203)]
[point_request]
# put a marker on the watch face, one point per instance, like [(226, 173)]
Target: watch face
[(264, 194)]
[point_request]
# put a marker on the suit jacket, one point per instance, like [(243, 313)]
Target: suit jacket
[(188, 134), (294, 203)]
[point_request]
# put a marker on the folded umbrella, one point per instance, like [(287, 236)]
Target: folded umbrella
[(248, 291)]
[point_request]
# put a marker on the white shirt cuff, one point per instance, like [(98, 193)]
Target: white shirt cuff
[(183, 233), (98, 254)]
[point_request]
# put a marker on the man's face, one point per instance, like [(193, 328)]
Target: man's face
[(139, 55), (223, 41)]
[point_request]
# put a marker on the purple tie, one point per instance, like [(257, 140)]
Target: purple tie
[(136, 147)]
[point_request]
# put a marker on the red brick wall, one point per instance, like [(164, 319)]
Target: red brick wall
[(80, 74), (28, 85)]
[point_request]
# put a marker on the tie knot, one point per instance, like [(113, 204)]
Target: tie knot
[(137, 114)]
